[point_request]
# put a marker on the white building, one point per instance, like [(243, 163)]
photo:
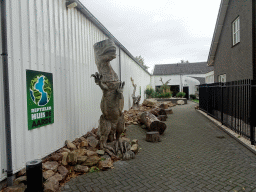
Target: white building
[(183, 77)]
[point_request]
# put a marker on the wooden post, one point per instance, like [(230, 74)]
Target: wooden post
[(152, 137)]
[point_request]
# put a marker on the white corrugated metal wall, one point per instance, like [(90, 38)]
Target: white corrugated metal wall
[(141, 79), (44, 35)]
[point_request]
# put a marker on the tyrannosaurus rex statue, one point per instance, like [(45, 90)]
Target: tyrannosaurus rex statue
[(111, 123)]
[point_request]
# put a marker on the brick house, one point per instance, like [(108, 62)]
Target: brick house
[(233, 47)]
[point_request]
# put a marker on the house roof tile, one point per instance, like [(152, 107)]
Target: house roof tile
[(180, 68)]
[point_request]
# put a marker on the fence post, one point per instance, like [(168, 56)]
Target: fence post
[(252, 112), (221, 86)]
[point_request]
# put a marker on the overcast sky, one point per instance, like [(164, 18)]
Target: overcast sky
[(161, 31)]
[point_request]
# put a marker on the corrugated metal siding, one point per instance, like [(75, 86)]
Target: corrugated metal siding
[(130, 69), (43, 35)]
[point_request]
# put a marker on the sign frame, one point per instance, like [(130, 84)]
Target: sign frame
[(40, 98)]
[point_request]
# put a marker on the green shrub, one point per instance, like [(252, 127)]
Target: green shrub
[(155, 94), (149, 92), (94, 169), (165, 95), (181, 94), (192, 96)]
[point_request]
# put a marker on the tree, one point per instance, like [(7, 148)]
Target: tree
[(183, 61), (140, 59)]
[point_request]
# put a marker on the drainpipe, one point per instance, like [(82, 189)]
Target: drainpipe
[(6, 94)]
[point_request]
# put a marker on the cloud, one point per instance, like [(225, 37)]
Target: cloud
[(163, 31)]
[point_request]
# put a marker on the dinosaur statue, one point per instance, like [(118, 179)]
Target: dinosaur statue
[(111, 123), (136, 100)]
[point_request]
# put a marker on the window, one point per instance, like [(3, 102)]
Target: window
[(222, 78), (236, 31)]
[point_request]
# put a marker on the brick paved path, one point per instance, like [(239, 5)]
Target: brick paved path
[(194, 155)]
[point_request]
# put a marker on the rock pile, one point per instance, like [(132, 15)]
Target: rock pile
[(75, 158), (133, 115)]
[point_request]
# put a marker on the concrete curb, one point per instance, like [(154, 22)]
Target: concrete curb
[(246, 143)]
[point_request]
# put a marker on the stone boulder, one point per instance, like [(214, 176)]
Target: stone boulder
[(81, 168), (51, 165), (19, 180), (81, 159), (105, 157), (129, 155), (100, 152), (63, 171), (84, 144), (48, 174), (93, 141), (64, 158), (81, 152), (93, 160), (56, 157), (135, 141), (72, 158), (149, 102), (17, 188), (64, 150), (105, 164), (70, 145), (135, 148), (92, 153), (57, 177), (51, 185), (180, 102)]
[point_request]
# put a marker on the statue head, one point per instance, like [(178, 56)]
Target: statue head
[(105, 50)]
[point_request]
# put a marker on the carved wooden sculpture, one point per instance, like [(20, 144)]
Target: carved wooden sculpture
[(165, 86), (111, 123), (136, 100)]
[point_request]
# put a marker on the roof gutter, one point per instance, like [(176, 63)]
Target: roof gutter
[(6, 94), (96, 22), (217, 31)]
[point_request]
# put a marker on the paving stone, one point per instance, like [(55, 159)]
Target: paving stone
[(190, 157)]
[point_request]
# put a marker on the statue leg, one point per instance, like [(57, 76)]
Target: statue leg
[(111, 136), (104, 130), (120, 126)]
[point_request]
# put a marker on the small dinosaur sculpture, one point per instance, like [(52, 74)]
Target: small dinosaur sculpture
[(136, 100), (111, 123)]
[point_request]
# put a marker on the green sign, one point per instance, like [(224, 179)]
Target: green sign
[(39, 99)]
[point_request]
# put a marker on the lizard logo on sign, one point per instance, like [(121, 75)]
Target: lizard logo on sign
[(39, 99)]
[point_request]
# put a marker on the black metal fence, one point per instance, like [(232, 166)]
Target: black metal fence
[(233, 104)]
